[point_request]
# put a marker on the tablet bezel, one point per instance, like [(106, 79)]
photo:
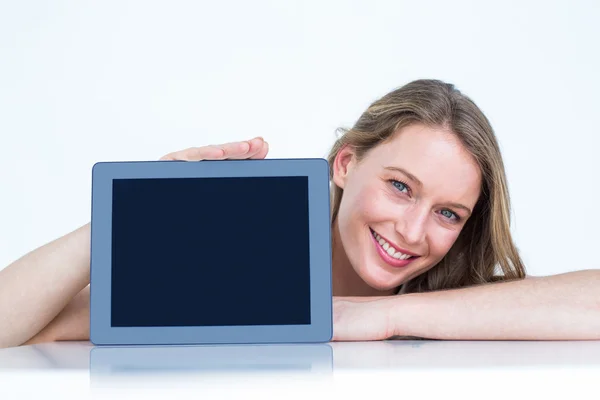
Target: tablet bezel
[(320, 328)]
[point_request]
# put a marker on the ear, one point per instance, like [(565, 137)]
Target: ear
[(342, 165)]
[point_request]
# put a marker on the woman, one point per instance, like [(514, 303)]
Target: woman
[(420, 208)]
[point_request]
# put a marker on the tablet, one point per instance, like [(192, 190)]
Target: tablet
[(205, 252)]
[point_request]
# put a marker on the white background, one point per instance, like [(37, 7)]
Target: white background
[(82, 82)]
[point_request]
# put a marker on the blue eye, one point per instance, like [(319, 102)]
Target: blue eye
[(449, 214), (399, 185)]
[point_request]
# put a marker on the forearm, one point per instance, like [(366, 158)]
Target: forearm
[(72, 323), (37, 287), (559, 307)]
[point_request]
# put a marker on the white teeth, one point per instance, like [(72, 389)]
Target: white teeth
[(389, 249)]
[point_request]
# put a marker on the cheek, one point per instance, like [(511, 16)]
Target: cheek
[(370, 207), (441, 240), (358, 210)]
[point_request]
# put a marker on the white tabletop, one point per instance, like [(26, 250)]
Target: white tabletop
[(345, 369)]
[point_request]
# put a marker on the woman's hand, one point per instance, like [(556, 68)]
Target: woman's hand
[(255, 148), (363, 318)]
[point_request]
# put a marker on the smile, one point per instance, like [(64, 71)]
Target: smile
[(389, 254)]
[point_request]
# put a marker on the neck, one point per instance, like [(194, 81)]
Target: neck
[(346, 282)]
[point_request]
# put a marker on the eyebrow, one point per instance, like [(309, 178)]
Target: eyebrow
[(420, 184)]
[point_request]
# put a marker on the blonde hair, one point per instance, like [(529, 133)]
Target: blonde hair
[(485, 244)]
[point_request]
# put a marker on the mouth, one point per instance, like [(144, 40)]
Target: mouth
[(389, 253)]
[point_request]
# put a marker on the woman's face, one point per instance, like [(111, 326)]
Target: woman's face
[(411, 195)]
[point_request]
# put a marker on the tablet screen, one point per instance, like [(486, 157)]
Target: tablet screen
[(210, 252)]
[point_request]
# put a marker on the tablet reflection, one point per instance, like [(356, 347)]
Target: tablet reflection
[(108, 363)]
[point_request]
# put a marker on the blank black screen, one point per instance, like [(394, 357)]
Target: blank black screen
[(210, 252)]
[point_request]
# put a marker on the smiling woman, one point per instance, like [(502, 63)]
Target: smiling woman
[(420, 171), (420, 208)]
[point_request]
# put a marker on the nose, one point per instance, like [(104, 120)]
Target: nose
[(412, 224)]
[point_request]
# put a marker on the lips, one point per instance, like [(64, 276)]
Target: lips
[(394, 262), (396, 247)]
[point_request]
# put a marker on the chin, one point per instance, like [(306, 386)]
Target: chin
[(380, 279)]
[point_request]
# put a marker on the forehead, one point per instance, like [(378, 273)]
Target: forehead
[(436, 157)]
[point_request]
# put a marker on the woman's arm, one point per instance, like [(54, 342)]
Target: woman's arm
[(72, 323), (36, 288), (558, 307)]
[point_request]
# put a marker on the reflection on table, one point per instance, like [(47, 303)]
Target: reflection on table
[(301, 358)]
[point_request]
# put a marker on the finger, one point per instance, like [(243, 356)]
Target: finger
[(254, 148), (262, 152), (256, 145), (235, 150), (166, 157), (211, 152), (195, 154)]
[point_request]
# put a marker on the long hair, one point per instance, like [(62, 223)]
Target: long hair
[(484, 251)]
